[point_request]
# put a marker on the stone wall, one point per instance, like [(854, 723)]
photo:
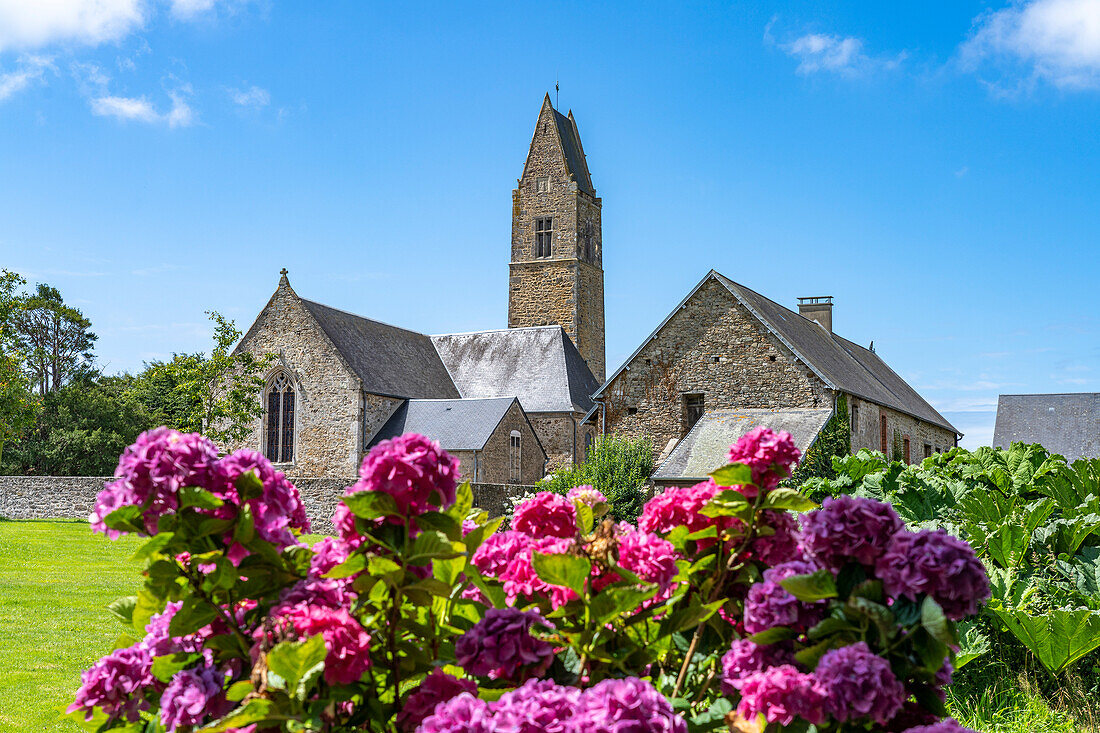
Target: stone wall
[(714, 347), (327, 437), (866, 420), (495, 457), (72, 497), (561, 437)]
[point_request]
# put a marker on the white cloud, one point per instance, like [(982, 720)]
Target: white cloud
[(255, 97), (192, 9), (36, 23), (1057, 41), (140, 109), (28, 70), (819, 52)]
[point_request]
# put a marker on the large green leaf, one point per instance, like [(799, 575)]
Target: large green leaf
[(299, 663), (788, 499), (811, 587), (973, 644), (1058, 638), (1008, 544), (1084, 571), (370, 504), (734, 474), (569, 571)]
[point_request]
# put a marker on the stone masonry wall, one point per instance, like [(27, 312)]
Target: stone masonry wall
[(866, 420), (555, 430), (375, 412), (328, 439), (712, 346), (495, 467), (72, 497), (590, 314)]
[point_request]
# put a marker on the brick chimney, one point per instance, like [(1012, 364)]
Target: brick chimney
[(818, 308)]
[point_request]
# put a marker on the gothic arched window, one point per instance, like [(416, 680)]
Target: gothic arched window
[(279, 442)]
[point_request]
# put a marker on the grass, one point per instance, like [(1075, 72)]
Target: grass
[(56, 579)]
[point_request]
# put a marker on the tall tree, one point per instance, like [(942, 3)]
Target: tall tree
[(17, 406), (55, 339), (217, 395)]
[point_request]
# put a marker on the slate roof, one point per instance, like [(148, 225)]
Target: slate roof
[(456, 424), (707, 444), (540, 365), (840, 363), (574, 153), (391, 361), (1066, 424)]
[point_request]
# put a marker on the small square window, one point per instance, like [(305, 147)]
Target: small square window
[(542, 185), (632, 411), (717, 359), (771, 358)]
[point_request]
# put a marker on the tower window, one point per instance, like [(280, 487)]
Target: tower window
[(544, 237), (694, 407), (514, 457), (279, 446)]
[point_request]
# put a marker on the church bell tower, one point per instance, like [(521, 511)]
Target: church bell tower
[(556, 272)]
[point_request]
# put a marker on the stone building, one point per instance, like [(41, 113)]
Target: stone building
[(727, 350), (342, 381)]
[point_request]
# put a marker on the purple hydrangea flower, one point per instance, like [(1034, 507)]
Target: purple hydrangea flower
[(746, 657), (327, 554), (114, 684), (849, 529), (537, 706), (436, 688), (769, 604), (625, 706), (158, 642), (782, 546), (782, 694), (939, 565), (769, 454), (948, 725), (326, 592), (414, 470), (500, 646), (191, 696), (278, 509), (859, 684), (463, 713)]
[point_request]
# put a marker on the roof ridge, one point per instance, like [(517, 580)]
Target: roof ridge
[(365, 318), (495, 330)]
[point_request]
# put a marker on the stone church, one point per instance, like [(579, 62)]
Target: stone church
[(510, 403), (515, 403)]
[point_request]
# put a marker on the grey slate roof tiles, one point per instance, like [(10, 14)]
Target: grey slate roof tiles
[(707, 444), (540, 365), (391, 361), (456, 424), (1066, 424), (574, 154)]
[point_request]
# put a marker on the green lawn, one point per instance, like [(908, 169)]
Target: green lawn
[(55, 581)]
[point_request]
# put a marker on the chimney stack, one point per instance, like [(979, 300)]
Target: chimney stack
[(818, 308)]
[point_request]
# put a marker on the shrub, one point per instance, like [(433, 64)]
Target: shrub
[(420, 615), (616, 466)]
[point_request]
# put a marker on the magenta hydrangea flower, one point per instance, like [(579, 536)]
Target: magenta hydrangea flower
[(538, 706), (859, 684), (158, 642), (151, 472), (849, 529), (676, 507), (518, 575), (414, 470), (781, 694), (769, 605), (546, 515), (436, 688), (501, 646), (934, 563), (278, 509), (347, 644), (625, 706), (586, 495), (782, 546), (115, 684), (192, 696), (746, 657), (769, 454), (463, 713), (948, 725), (648, 556), (493, 556), (314, 591), (327, 554)]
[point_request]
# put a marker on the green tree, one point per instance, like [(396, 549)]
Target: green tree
[(17, 405), (217, 395), (616, 466), (55, 339)]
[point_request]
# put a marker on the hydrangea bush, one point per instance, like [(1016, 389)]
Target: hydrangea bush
[(733, 604)]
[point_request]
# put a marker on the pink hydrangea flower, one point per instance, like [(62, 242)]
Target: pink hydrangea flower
[(676, 507), (546, 515), (586, 495), (463, 713), (414, 470), (347, 644), (278, 509), (780, 547), (746, 657), (782, 694), (849, 529), (521, 581), (648, 556), (115, 684), (327, 554), (493, 556), (859, 684), (624, 706), (948, 725), (933, 562), (537, 706), (437, 687), (769, 454), (192, 696)]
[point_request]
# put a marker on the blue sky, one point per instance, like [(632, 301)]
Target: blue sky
[(933, 166)]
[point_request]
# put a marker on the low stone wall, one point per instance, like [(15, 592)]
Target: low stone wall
[(72, 497)]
